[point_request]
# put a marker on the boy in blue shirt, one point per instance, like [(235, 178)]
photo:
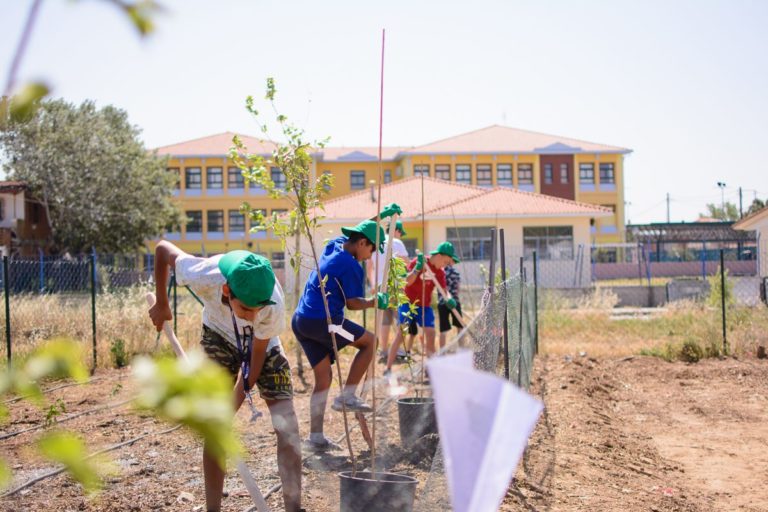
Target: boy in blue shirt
[(340, 267)]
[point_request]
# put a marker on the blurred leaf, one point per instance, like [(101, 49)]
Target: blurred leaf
[(69, 450), (196, 393), (5, 473), (23, 104), (140, 13)]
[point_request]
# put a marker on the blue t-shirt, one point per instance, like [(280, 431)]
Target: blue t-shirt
[(345, 281)]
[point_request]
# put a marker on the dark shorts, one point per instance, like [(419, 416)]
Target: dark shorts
[(313, 335), (274, 381), (447, 318)]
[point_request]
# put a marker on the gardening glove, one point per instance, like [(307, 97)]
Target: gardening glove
[(450, 303), (419, 262), (390, 210), (382, 300)]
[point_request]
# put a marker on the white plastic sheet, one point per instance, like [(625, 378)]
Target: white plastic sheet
[(484, 425)]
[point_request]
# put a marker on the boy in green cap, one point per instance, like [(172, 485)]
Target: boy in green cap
[(339, 266), (418, 285), (243, 314)]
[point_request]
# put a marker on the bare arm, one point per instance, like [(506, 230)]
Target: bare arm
[(359, 303), (165, 257), (258, 356)]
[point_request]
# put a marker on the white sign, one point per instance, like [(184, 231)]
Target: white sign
[(484, 424)]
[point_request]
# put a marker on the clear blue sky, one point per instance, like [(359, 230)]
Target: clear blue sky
[(683, 83)]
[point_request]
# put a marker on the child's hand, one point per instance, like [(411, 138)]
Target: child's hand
[(451, 303), (382, 300), (159, 314), (419, 262), (390, 210)]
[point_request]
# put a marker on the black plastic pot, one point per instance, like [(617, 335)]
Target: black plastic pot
[(384, 493), (418, 426)]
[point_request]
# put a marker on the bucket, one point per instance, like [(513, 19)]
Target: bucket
[(385, 493), (418, 427)]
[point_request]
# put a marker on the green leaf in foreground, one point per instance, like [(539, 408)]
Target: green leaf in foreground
[(69, 450), (196, 393)]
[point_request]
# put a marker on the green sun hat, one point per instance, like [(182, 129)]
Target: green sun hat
[(368, 229), (249, 276), (446, 248), (399, 227)]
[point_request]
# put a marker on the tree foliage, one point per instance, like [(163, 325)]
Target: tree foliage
[(757, 205), (98, 184), (728, 212)]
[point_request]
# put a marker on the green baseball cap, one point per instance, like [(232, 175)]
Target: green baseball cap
[(399, 227), (368, 229), (446, 248), (249, 276)]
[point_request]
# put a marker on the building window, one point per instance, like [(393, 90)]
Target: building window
[(215, 221), (357, 180), (193, 178), (278, 177), (177, 178), (278, 260), (607, 175), (387, 176), (587, 174), (484, 175), (442, 172), (547, 174), (472, 243), (504, 175), (236, 221), (235, 179), (464, 173), (421, 170), (563, 174), (525, 174), (213, 178), (549, 242), (194, 221)]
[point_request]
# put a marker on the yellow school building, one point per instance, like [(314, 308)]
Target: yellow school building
[(210, 189)]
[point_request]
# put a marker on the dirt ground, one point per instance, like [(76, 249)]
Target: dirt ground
[(631, 434)]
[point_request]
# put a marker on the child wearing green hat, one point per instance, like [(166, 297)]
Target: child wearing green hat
[(339, 266), (243, 314), (418, 285)]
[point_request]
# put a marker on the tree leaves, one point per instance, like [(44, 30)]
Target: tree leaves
[(88, 166), (69, 449)]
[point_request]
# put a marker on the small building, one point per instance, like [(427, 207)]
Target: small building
[(757, 223), (24, 226)]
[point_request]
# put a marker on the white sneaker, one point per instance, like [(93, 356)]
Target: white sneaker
[(351, 402)]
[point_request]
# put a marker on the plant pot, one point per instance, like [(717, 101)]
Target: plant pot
[(418, 426), (384, 493)]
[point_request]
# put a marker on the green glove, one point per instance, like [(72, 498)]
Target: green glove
[(382, 300), (390, 210), (419, 262), (451, 303)]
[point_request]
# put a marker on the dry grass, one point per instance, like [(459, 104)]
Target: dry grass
[(591, 325)]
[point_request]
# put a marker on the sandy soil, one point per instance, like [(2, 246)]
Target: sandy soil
[(631, 434)]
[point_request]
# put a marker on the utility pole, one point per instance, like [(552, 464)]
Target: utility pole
[(721, 186), (667, 207), (741, 209)]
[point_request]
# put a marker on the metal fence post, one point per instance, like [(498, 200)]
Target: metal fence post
[(722, 298), (93, 307), (520, 330), (505, 328), (535, 303), (6, 286), (41, 287)]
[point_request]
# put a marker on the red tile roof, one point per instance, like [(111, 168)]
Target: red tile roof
[(215, 145), (503, 139), (446, 199)]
